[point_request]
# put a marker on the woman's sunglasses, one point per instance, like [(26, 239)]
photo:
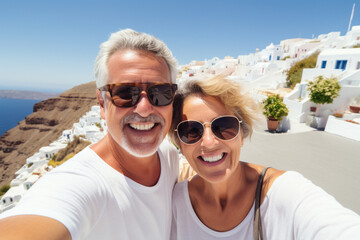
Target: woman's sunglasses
[(128, 94), (224, 127)]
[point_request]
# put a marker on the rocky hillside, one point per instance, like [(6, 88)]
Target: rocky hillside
[(43, 126)]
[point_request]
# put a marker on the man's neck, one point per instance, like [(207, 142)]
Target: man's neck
[(145, 171)]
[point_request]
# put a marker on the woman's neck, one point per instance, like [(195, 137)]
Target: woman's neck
[(216, 203)]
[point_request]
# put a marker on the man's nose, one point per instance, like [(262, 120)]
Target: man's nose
[(144, 108)]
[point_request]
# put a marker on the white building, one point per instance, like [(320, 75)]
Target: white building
[(49, 151), (272, 53), (340, 63), (11, 197), (341, 59), (353, 37), (289, 45), (30, 181)]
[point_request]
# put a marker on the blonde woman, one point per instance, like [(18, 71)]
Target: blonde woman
[(210, 122)]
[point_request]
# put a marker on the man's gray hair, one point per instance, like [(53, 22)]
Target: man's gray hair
[(130, 39)]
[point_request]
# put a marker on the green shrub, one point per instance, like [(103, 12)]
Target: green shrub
[(72, 148), (4, 189), (58, 163), (294, 74), (274, 107), (67, 157), (323, 90), (285, 58)]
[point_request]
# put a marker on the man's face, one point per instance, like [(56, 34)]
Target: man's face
[(139, 129)]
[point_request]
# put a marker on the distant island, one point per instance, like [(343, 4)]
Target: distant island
[(17, 94)]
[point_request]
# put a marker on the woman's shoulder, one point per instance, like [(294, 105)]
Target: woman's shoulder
[(270, 177), (180, 194)]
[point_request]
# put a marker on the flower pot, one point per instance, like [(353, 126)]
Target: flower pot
[(272, 124), (354, 109), (316, 122), (312, 109)]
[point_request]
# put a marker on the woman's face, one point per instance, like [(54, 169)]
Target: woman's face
[(212, 158)]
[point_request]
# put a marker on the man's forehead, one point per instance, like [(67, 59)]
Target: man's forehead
[(128, 54), (133, 63)]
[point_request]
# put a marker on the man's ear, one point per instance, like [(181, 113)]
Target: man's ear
[(101, 101)]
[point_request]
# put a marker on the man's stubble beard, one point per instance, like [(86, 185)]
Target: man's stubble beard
[(138, 150)]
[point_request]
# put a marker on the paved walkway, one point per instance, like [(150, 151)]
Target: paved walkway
[(330, 161)]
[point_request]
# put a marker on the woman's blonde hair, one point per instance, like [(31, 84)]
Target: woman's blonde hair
[(228, 92)]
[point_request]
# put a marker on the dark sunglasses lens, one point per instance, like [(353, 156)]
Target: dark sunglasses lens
[(225, 128), (190, 131), (125, 95), (160, 95)]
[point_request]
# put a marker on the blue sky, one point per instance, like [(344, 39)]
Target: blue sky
[(51, 45)]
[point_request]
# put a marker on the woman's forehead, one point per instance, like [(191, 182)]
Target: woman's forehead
[(203, 108)]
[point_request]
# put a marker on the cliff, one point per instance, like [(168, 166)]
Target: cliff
[(49, 118)]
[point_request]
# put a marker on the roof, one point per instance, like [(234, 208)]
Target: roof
[(345, 51)]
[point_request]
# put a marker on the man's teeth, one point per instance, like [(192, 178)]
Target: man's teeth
[(213, 158), (137, 126)]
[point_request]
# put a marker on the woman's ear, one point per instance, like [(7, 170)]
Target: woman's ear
[(101, 101)]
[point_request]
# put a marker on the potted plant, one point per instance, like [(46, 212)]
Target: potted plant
[(355, 105), (274, 110), (322, 91)]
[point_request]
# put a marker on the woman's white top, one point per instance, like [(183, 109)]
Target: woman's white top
[(294, 208)]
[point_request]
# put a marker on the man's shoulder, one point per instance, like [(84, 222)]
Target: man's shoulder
[(168, 150), (169, 156), (84, 167), (84, 159)]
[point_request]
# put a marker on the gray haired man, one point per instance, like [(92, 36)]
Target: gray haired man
[(120, 187)]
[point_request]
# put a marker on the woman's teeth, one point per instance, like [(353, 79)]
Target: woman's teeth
[(213, 158), (142, 126)]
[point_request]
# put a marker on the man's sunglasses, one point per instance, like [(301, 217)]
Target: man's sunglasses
[(224, 127), (128, 94)]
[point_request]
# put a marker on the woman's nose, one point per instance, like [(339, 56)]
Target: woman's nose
[(208, 138)]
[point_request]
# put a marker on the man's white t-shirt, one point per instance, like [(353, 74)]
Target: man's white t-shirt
[(94, 201), (294, 208)]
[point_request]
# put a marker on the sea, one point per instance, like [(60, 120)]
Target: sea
[(13, 111)]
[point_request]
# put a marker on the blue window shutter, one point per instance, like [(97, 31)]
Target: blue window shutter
[(343, 65), (323, 64), (337, 66)]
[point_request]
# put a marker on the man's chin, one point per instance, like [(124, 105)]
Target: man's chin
[(141, 150)]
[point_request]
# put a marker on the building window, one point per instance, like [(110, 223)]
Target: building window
[(341, 64), (11, 199), (358, 65), (278, 58), (270, 58), (323, 64)]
